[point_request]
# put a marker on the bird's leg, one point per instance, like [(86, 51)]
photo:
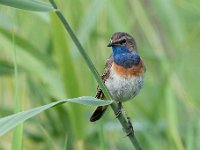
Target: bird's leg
[(129, 123), (131, 131), (119, 111)]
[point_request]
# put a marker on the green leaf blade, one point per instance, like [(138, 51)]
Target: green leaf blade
[(31, 5), (90, 101), (9, 122)]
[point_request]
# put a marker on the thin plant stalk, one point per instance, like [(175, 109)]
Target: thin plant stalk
[(18, 131)]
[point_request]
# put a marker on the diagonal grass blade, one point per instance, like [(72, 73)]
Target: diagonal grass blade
[(9, 122), (31, 5)]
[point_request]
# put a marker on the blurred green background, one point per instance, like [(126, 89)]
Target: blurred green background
[(165, 114)]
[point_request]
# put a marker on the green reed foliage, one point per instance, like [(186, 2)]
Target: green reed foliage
[(165, 113)]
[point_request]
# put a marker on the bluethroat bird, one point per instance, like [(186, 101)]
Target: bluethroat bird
[(123, 73)]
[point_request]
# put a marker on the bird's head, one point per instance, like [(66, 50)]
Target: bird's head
[(124, 49), (122, 40)]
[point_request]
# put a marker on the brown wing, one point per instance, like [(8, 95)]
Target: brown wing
[(106, 73), (99, 111)]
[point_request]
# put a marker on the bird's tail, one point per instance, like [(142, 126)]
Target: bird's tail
[(98, 113)]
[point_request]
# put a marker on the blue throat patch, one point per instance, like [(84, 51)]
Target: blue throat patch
[(124, 57)]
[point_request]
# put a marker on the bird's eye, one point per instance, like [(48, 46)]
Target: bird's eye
[(123, 41)]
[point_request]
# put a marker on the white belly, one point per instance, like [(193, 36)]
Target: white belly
[(124, 88)]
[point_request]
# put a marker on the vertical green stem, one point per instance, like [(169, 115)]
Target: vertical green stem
[(101, 136), (18, 131)]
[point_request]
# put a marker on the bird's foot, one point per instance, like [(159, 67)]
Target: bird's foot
[(130, 128), (119, 111)]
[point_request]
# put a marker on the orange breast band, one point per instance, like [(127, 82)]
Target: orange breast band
[(133, 71)]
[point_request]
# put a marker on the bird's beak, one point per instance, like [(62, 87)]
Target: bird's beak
[(110, 44), (113, 44)]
